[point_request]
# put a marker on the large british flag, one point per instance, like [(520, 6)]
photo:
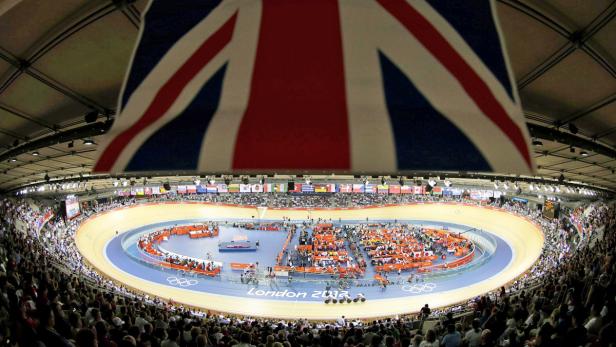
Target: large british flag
[(318, 85)]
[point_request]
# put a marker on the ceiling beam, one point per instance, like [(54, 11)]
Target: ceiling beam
[(587, 111), (89, 130), (30, 119), (538, 16), (549, 133), (605, 133)]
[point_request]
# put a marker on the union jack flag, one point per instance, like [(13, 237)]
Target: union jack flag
[(318, 85)]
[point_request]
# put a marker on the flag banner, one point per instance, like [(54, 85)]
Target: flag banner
[(406, 189), (148, 190), (155, 190), (268, 187), (257, 188), (222, 188), (280, 188), (394, 189), (181, 190), (133, 191), (358, 188), (447, 191), (234, 188), (437, 190), (297, 189), (497, 194), (245, 188), (211, 188), (476, 195), (369, 188), (418, 190), (307, 188), (213, 91), (201, 189), (191, 189), (382, 189), (162, 190), (345, 188), (457, 192), (140, 191), (320, 188)]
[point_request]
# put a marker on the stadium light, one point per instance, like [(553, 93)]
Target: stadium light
[(531, 187), (212, 181), (115, 183), (537, 143), (431, 182), (124, 183), (197, 181), (447, 183), (495, 185), (505, 185)]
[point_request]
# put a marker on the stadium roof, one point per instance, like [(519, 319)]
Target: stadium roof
[(63, 60)]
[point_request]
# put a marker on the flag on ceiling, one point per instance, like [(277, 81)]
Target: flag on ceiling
[(318, 85)]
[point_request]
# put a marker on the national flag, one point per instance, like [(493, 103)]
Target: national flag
[(245, 85), (245, 188), (394, 189), (297, 188), (320, 188), (280, 188), (222, 188), (418, 190), (345, 188), (307, 188), (234, 188)]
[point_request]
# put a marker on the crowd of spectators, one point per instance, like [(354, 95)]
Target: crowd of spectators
[(51, 298)]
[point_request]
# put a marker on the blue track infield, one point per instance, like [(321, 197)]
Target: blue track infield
[(122, 252)]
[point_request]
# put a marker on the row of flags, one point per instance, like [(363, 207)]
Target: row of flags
[(300, 188)]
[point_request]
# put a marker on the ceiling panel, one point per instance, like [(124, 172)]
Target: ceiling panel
[(539, 41), (572, 85), (606, 40), (28, 21), (38, 100), (108, 55), (599, 121), (575, 14)]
